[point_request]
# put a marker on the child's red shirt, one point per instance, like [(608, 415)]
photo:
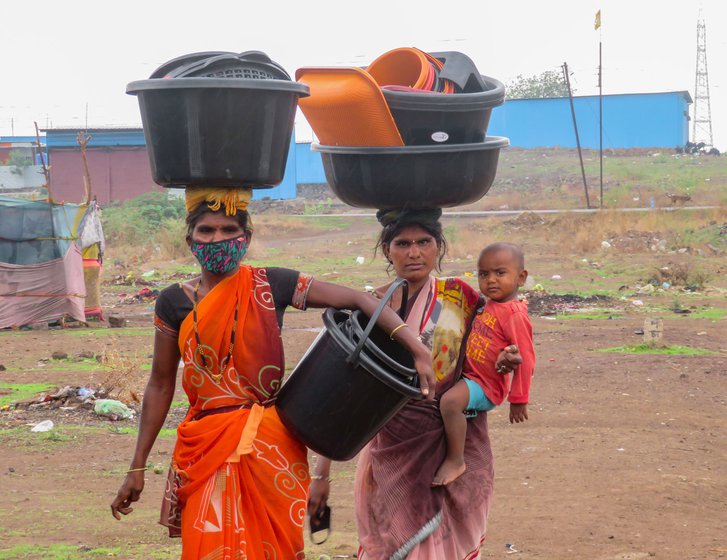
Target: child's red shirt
[(497, 326)]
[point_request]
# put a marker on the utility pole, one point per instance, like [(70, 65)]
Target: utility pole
[(575, 126), (702, 121)]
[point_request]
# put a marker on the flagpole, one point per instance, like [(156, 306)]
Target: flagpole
[(600, 115), (600, 107)]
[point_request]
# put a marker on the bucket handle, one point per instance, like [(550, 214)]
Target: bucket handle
[(353, 358)]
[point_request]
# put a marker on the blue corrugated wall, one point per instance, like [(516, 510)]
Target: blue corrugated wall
[(645, 120), (309, 168)]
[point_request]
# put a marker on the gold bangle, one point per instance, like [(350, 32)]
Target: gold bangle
[(137, 470), (320, 477), (391, 334)]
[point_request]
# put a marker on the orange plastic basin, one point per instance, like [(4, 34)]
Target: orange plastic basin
[(402, 67)]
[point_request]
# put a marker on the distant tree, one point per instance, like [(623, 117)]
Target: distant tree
[(19, 160), (548, 84)]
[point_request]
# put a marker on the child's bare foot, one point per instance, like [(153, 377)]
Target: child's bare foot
[(449, 471)]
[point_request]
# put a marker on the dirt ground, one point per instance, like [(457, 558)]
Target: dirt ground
[(624, 455)]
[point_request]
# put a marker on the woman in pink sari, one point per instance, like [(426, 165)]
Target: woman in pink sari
[(398, 513)]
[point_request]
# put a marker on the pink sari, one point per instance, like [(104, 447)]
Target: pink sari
[(399, 515)]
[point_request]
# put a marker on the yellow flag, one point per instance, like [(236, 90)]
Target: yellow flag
[(597, 23)]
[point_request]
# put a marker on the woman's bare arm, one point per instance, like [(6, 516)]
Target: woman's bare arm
[(324, 294), (155, 406)]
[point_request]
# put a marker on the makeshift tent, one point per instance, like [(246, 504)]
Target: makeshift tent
[(41, 266)]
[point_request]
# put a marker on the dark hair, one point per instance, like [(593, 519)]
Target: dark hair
[(243, 218), (428, 221), (515, 251)]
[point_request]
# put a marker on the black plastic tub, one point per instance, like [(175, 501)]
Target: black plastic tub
[(439, 118), (217, 131), (334, 406), (438, 176)]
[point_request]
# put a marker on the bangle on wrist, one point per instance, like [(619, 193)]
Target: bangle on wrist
[(137, 470), (391, 334), (320, 477)]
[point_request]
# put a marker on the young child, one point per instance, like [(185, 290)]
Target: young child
[(503, 321)]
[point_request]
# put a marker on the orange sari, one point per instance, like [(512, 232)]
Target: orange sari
[(243, 477)]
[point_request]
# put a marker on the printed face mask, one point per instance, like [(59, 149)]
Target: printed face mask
[(220, 256)]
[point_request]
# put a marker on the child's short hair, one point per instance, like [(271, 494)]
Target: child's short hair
[(515, 251)]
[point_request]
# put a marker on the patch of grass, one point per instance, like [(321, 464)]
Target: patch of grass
[(71, 552), (133, 430), (711, 313), (589, 315), (672, 350), (40, 441), (21, 391), (126, 331)]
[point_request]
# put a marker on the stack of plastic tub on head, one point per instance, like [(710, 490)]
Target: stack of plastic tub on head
[(218, 119), (409, 131)]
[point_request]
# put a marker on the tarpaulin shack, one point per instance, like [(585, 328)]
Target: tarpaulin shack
[(41, 263)]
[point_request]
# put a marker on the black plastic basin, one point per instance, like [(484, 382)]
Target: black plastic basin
[(217, 131), (333, 406), (437, 176), (439, 118)]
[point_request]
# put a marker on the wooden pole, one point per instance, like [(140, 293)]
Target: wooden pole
[(46, 173), (575, 126), (83, 139)]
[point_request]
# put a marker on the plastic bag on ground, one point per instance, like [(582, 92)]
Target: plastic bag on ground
[(112, 408)]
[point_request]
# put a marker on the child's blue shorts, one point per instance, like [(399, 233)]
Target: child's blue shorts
[(478, 399)]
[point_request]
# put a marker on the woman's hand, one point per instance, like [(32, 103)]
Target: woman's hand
[(129, 492), (318, 497), (508, 360), (423, 365)]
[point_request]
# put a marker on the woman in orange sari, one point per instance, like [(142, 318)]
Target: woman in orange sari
[(238, 486)]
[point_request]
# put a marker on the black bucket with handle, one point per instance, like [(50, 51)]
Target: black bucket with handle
[(340, 395)]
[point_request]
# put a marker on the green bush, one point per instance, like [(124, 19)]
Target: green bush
[(140, 220)]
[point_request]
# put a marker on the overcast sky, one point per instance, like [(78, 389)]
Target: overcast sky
[(60, 57)]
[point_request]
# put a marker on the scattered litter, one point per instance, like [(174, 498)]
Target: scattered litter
[(360, 260), (666, 285), (556, 277), (510, 548), (639, 331), (148, 273), (468, 273), (538, 288), (637, 302), (620, 449), (701, 333), (112, 409), (85, 392), (605, 245), (44, 426)]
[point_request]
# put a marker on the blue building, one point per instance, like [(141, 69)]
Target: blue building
[(638, 120)]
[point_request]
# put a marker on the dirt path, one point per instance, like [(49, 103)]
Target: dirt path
[(625, 455)]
